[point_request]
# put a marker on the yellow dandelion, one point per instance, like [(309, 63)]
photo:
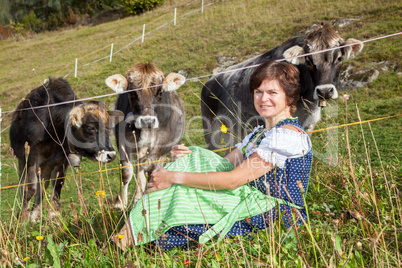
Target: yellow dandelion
[(120, 236), (26, 258), (101, 194), (224, 129), (39, 238)]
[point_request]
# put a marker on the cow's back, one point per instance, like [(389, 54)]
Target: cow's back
[(28, 125)]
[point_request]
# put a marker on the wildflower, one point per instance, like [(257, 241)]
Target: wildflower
[(120, 236), (224, 129), (101, 194), (39, 238), (26, 258), (186, 262)]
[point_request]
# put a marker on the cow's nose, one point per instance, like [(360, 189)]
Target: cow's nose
[(106, 156), (147, 122), (150, 122), (325, 92), (110, 156)]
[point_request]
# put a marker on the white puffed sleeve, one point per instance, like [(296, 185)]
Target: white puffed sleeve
[(280, 144), (246, 140)]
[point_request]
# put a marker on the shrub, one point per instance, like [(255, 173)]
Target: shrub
[(139, 6), (31, 22), (18, 27)]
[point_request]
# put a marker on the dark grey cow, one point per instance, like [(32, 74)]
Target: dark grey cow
[(225, 98), (154, 122), (43, 138)]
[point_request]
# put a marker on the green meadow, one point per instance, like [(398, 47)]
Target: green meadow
[(354, 197)]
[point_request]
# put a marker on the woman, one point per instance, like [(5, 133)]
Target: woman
[(240, 193)]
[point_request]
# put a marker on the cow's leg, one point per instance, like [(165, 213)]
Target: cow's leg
[(37, 209), (141, 184), (28, 184), (42, 184), (127, 173), (57, 175)]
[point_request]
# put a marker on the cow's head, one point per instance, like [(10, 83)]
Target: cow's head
[(324, 67), (89, 129), (146, 83)]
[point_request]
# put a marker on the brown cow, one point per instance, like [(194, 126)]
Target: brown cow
[(43, 138), (225, 98), (154, 121)]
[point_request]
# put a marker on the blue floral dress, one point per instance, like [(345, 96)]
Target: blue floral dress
[(286, 149)]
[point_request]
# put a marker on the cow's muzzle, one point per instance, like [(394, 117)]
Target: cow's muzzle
[(325, 92), (106, 156), (147, 121)]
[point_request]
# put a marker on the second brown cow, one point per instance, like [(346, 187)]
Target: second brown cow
[(154, 121)]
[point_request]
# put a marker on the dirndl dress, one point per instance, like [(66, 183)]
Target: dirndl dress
[(179, 215)]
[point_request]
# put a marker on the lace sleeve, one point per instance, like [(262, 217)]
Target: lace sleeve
[(246, 140), (279, 144)]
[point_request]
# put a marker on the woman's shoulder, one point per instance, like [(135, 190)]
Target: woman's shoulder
[(294, 128), (287, 137)]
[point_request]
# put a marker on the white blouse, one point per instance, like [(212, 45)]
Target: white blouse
[(278, 145)]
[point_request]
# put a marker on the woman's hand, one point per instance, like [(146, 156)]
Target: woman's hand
[(161, 179), (179, 151)]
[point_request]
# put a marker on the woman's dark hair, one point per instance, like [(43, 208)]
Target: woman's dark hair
[(285, 73)]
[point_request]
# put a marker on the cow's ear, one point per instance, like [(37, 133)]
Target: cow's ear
[(291, 53), (117, 82), (353, 50), (173, 81), (117, 115), (76, 115)]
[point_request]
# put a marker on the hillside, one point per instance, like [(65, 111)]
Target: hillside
[(355, 169)]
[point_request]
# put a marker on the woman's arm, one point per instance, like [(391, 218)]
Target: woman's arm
[(248, 170), (235, 157)]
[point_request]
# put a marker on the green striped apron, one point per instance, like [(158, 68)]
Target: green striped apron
[(178, 205)]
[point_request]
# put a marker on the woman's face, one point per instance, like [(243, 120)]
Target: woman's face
[(270, 101)]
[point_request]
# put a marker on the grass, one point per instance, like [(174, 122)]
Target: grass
[(355, 210)]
